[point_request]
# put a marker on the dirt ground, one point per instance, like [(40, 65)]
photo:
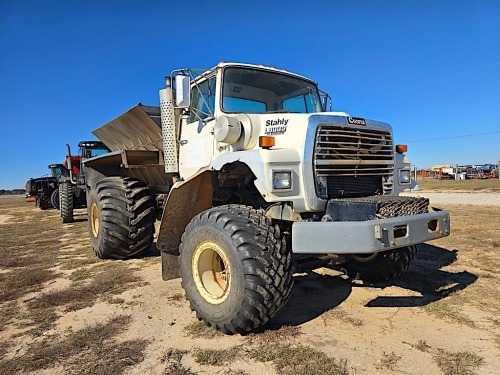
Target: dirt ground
[(440, 317)]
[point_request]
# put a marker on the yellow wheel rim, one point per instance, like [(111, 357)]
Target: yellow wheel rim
[(211, 272), (94, 219)]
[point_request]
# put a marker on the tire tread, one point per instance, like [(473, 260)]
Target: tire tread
[(262, 250)]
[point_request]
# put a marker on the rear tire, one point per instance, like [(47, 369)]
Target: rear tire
[(54, 199), (383, 266), (236, 268), (66, 202), (121, 216)]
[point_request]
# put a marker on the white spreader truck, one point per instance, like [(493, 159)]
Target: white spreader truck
[(253, 178)]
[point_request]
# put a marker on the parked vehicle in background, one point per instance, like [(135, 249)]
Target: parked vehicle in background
[(58, 171), (39, 190), (71, 189)]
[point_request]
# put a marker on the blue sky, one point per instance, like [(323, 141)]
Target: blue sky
[(431, 69)]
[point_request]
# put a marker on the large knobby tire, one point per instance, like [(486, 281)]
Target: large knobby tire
[(236, 268), (54, 199), (43, 202), (121, 216), (383, 266), (66, 202)]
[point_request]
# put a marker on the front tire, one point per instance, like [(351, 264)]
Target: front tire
[(66, 202), (121, 216), (383, 266), (236, 268)]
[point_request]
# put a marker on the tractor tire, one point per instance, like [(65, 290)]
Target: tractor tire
[(66, 202), (43, 203), (54, 199), (383, 266), (236, 268), (121, 216)]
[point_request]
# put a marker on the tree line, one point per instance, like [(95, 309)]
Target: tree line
[(12, 192)]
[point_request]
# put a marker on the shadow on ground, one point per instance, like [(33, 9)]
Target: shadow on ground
[(314, 294), (426, 277), (311, 296)]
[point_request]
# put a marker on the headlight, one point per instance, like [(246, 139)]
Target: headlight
[(282, 180), (404, 176)]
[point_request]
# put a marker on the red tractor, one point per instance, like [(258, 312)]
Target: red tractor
[(71, 192)]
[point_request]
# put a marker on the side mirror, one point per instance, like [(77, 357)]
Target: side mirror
[(182, 91)]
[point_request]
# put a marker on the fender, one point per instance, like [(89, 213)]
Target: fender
[(188, 198), (262, 162)]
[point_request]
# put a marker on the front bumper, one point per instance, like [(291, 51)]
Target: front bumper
[(371, 236)]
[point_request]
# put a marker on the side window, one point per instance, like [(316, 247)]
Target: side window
[(202, 100)]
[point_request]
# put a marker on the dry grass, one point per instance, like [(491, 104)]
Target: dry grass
[(198, 329), (475, 236), (37, 321), (28, 262), (214, 357), (341, 315), (299, 360), (279, 348), (388, 361), (8, 311), (111, 281), (423, 346), (172, 362), (285, 334), (287, 359), (458, 363), (27, 258), (21, 281), (90, 350), (484, 186)]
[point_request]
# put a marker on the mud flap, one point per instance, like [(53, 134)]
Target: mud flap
[(169, 266)]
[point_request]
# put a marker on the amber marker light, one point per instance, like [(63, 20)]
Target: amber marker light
[(401, 149), (266, 142)]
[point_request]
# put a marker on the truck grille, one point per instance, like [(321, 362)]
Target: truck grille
[(354, 161)]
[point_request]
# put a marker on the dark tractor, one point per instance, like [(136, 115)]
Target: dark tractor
[(40, 191), (71, 189)]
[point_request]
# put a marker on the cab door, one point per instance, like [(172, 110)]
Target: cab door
[(197, 142)]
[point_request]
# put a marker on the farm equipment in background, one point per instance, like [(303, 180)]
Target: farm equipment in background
[(59, 172), (71, 189), (44, 190), (39, 190), (253, 178), (31, 190)]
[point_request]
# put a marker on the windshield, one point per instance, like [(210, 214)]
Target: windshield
[(88, 153), (259, 91), (59, 170)]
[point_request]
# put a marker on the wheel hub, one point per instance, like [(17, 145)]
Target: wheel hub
[(211, 272), (94, 219)]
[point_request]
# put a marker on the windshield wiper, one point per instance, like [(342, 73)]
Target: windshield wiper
[(280, 111)]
